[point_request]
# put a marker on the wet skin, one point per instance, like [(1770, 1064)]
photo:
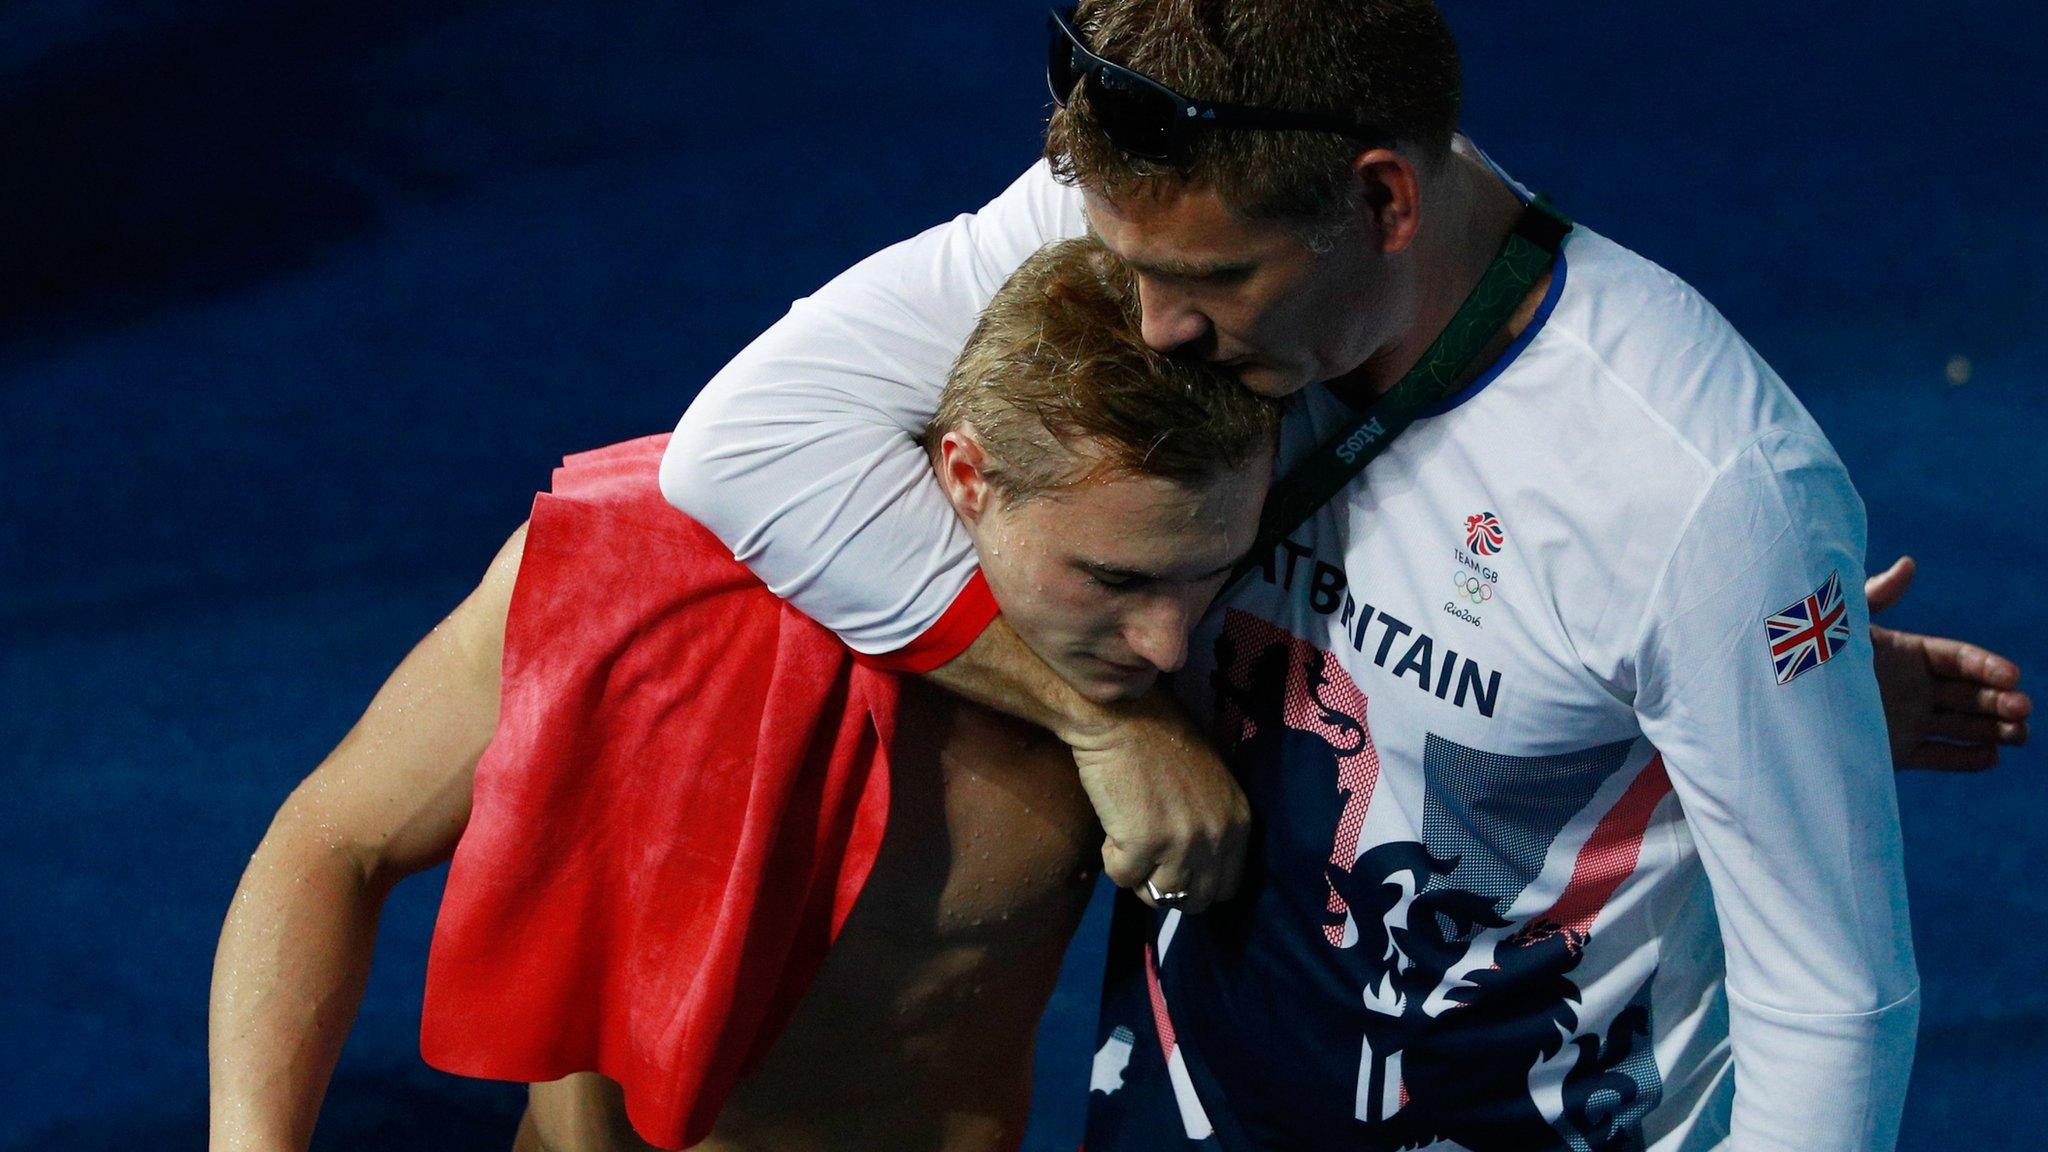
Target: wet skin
[(918, 1033)]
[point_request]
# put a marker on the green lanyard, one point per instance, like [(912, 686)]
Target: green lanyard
[(1521, 261)]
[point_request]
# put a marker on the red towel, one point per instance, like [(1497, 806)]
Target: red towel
[(686, 792)]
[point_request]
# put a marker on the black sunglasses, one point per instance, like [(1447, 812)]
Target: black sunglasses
[(1150, 121)]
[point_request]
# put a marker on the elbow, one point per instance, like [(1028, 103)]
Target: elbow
[(298, 845), (684, 476), (305, 842)]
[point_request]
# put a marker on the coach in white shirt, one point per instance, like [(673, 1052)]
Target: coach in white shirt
[(1575, 822)]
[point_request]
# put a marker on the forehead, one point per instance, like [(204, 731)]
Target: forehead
[(1118, 497), (1184, 231), (1147, 523)]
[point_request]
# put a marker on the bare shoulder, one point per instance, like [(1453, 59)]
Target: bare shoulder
[(478, 623)]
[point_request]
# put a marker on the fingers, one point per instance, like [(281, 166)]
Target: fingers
[(1171, 813), (1934, 756), (1975, 714), (1128, 869), (1124, 869), (1888, 587), (1967, 729), (1977, 699), (1953, 658), (1180, 886)]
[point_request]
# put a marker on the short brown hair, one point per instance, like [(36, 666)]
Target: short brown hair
[(1387, 63), (1058, 386)]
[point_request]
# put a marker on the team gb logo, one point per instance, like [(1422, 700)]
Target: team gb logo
[(1483, 534)]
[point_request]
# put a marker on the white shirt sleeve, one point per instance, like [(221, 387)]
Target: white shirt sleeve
[(1788, 793), (801, 454)]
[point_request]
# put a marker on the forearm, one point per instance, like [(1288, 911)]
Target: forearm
[(288, 978), (1000, 672), (1171, 813), (1820, 1083)]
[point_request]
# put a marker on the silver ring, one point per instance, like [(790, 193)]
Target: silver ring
[(1159, 897)]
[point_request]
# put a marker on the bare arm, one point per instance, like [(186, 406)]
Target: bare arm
[(389, 801), (1171, 812)]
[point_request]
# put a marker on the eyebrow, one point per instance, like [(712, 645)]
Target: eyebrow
[(1178, 269), (1140, 574), (1191, 269)]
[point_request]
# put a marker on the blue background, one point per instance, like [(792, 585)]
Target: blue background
[(299, 302)]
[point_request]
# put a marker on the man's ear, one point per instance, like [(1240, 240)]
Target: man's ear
[(962, 466), (1390, 197)]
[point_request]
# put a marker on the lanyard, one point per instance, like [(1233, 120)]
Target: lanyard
[(1522, 259)]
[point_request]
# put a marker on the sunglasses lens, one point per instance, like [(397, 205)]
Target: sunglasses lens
[(1064, 64), (1063, 70), (1138, 117)]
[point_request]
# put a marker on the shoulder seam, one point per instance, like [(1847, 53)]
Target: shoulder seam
[(1614, 379), (1714, 478)]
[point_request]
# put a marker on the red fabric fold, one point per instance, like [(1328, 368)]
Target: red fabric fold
[(685, 794)]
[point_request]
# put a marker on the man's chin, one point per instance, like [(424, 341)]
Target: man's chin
[(1271, 380), (1108, 686)]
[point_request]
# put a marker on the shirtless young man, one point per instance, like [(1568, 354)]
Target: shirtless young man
[(1106, 517)]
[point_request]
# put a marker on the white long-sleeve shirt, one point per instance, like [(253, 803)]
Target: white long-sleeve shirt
[(1545, 657)]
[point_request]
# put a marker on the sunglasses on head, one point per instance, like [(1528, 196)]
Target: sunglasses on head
[(1150, 121)]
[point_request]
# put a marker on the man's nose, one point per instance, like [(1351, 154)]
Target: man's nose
[(1168, 319), (1158, 632)]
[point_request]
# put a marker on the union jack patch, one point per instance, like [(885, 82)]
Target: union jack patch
[(1808, 633)]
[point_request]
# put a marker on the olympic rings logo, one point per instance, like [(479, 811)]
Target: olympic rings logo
[(1472, 587)]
